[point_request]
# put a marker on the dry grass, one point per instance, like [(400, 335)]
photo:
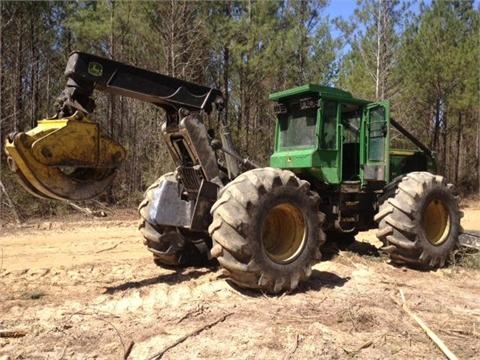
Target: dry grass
[(467, 258)]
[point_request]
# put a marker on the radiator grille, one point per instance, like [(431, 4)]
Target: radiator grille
[(190, 177)]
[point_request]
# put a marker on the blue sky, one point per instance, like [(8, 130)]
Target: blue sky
[(346, 8), (343, 8)]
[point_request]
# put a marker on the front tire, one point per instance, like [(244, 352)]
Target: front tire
[(419, 226), (266, 230)]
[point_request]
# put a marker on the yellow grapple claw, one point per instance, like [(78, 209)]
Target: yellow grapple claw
[(66, 159)]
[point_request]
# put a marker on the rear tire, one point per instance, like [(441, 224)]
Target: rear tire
[(266, 230), (171, 246), (419, 226)]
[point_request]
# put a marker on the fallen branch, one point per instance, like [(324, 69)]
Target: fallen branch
[(194, 312), (159, 354), (357, 350), (128, 351), (100, 205), (427, 330), (109, 248), (11, 333), (63, 353), (87, 211), (456, 333), (352, 320)]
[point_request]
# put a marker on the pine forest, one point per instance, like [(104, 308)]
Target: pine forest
[(424, 57)]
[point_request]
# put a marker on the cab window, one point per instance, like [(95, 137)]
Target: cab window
[(329, 128), (297, 127)]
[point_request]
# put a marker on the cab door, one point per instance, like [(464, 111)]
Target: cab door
[(375, 167)]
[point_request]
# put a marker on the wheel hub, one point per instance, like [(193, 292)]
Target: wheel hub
[(436, 222), (284, 233)]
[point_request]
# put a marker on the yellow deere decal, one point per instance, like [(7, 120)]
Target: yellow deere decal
[(95, 69)]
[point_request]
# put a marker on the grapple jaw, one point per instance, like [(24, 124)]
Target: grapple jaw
[(64, 159)]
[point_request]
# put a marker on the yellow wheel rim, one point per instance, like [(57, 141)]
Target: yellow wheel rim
[(436, 222), (284, 233)]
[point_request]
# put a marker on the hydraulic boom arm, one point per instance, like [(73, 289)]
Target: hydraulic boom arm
[(67, 157), (86, 72)]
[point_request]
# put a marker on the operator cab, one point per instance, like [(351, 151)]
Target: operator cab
[(331, 135)]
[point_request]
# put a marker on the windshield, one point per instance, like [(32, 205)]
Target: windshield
[(297, 128)]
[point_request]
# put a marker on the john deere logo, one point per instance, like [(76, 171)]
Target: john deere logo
[(95, 69)]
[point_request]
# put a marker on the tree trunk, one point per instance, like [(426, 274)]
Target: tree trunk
[(478, 154), (111, 115), (459, 145), (445, 145), (17, 99), (302, 51), (69, 43), (47, 83), (226, 67), (379, 49), (33, 74), (111, 99), (436, 126), (2, 87)]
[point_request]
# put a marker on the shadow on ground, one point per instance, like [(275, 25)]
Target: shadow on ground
[(321, 280), (180, 275), (332, 248), (317, 281)]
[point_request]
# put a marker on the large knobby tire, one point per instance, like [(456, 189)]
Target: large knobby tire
[(266, 230), (170, 246), (390, 190), (420, 224)]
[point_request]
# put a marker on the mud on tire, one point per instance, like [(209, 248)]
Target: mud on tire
[(419, 224), (266, 230), (170, 246)]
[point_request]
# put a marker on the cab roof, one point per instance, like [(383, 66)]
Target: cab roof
[(322, 91)]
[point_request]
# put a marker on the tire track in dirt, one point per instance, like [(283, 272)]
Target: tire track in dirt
[(94, 307)]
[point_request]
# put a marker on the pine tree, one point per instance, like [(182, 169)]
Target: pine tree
[(372, 35)]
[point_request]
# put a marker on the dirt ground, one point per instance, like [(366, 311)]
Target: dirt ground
[(88, 289)]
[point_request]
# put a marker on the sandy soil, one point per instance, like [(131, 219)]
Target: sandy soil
[(88, 289)]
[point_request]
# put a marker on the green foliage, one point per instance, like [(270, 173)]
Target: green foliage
[(430, 63), (356, 76), (438, 63), (248, 49), (89, 24), (373, 36), (433, 53)]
